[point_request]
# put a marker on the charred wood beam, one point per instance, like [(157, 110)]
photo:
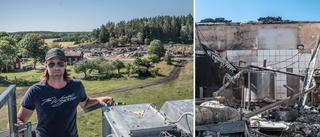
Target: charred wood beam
[(216, 57)]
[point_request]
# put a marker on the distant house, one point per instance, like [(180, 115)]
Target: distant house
[(15, 65), (73, 56)]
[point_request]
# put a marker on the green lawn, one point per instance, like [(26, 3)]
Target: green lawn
[(89, 124)]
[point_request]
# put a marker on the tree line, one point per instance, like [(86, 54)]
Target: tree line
[(143, 31), (168, 29)]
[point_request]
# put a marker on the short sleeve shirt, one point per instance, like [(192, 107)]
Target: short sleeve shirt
[(56, 108)]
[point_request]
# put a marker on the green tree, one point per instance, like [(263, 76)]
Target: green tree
[(107, 68), (184, 33), (168, 58), (153, 58), (137, 39), (156, 47), (129, 68), (82, 66), (146, 41), (167, 29), (17, 37), (120, 29), (123, 40), (142, 62), (95, 64), (141, 67), (103, 35), (113, 42), (8, 53), (174, 33), (110, 28), (3, 34), (142, 71), (95, 35), (118, 64), (34, 46)]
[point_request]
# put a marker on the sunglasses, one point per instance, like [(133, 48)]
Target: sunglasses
[(52, 64)]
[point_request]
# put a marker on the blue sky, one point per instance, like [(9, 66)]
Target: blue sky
[(82, 15), (247, 10)]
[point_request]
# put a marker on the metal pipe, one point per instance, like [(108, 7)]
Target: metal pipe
[(292, 93), (289, 88), (270, 106), (28, 131), (274, 70), (242, 96), (6, 95), (201, 92), (249, 88)]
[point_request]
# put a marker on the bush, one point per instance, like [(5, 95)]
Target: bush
[(153, 58), (142, 71), (168, 58), (154, 71)]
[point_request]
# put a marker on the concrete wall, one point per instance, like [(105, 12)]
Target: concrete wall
[(257, 36), (277, 38)]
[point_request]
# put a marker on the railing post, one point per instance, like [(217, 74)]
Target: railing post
[(12, 109), (28, 131)]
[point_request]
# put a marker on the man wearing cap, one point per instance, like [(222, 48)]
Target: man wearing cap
[(56, 98)]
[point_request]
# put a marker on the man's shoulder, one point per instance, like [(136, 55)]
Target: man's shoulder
[(74, 82), (37, 86)]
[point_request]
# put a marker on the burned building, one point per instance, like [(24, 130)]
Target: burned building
[(276, 62), (286, 47)]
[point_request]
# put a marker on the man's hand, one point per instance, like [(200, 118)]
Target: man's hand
[(105, 101), (19, 122)]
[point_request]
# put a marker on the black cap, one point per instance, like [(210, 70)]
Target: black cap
[(55, 52)]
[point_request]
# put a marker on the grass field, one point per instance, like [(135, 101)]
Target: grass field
[(90, 124), (63, 44)]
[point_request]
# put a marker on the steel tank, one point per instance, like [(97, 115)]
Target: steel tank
[(262, 86)]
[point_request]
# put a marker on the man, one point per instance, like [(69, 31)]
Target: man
[(56, 98)]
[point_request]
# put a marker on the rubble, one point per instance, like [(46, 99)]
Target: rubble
[(210, 114)]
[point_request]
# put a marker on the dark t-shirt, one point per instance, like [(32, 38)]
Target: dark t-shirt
[(56, 108)]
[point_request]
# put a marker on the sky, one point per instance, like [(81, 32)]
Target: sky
[(251, 10), (82, 15)]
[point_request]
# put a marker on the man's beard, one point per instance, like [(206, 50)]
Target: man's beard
[(56, 76)]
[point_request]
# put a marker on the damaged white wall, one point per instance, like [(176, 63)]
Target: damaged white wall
[(275, 59)]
